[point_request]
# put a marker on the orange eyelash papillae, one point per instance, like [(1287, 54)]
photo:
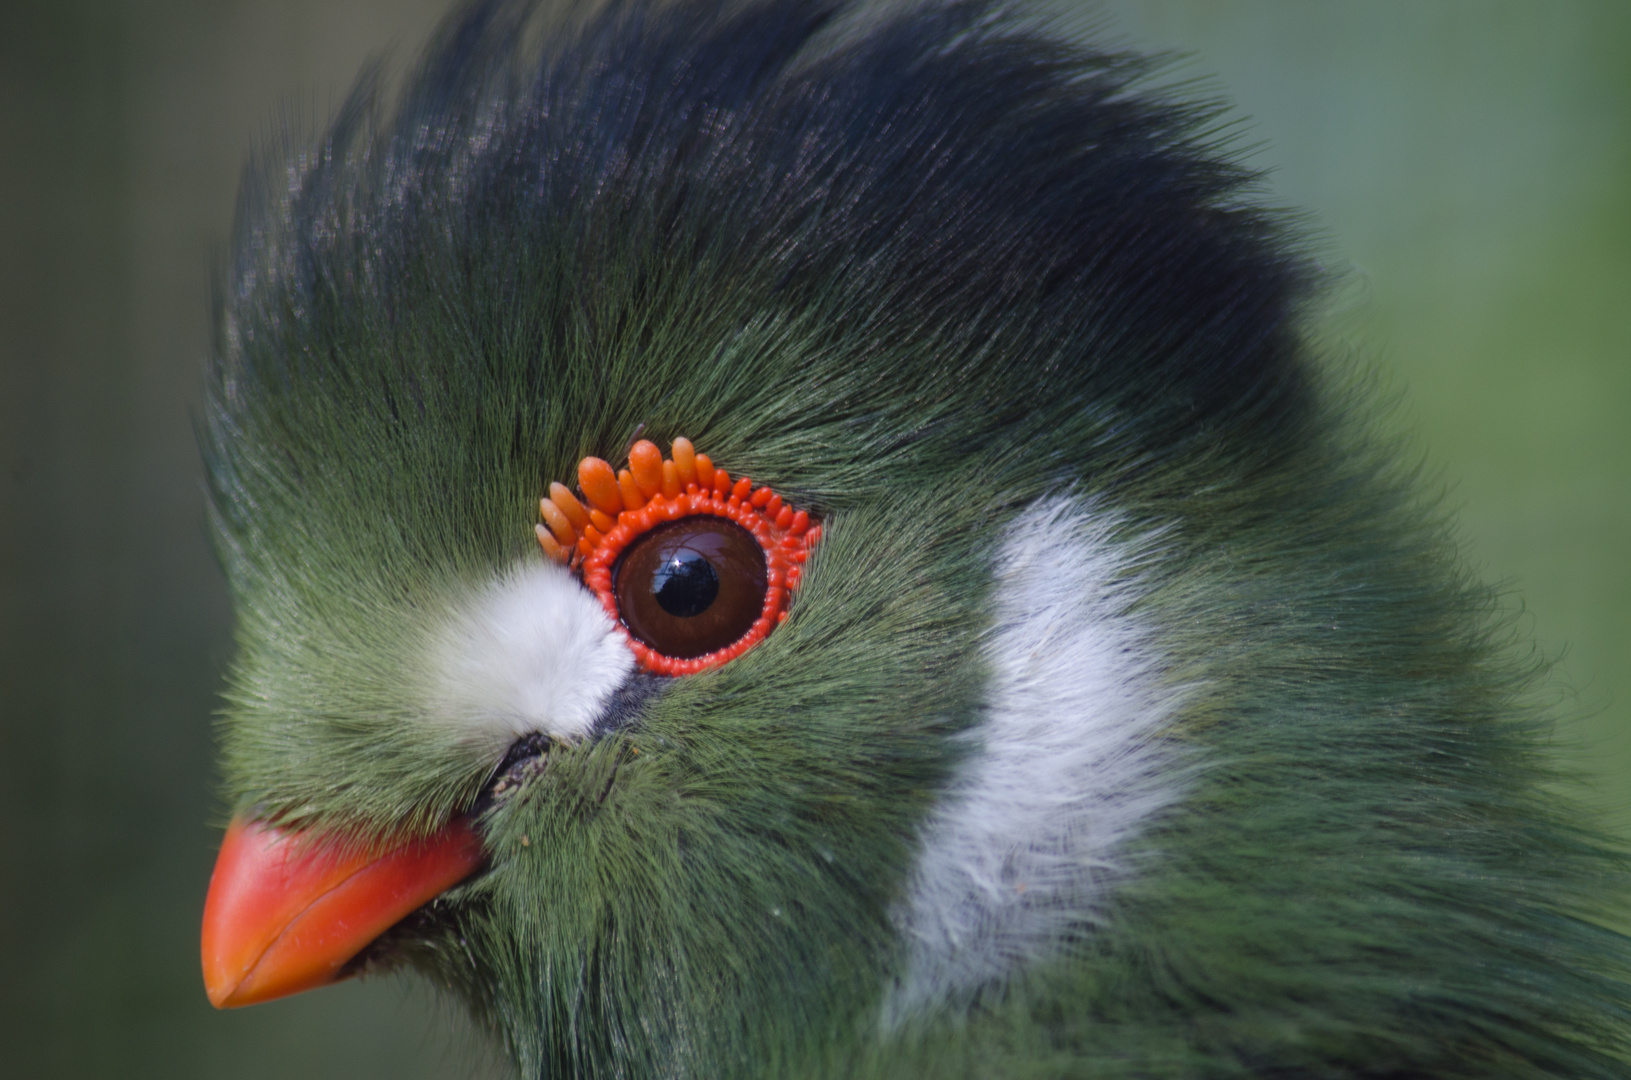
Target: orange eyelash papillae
[(618, 506)]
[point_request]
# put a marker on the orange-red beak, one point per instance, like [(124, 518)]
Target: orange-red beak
[(285, 914)]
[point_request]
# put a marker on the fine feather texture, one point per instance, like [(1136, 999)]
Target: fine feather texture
[(1069, 764), (532, 653), (916, 272)]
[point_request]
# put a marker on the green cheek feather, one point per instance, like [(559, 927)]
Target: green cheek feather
[(1078, 687)]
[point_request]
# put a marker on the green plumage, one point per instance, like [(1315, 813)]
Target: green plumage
[(915, 274)]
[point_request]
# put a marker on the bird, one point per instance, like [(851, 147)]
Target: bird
[(796, 539)]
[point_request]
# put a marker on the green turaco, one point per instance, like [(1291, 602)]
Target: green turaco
[(772, 540)]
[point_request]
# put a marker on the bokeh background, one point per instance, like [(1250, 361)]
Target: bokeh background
[(1465, 166)]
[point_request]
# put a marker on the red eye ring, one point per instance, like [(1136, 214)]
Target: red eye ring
[(623, 506)]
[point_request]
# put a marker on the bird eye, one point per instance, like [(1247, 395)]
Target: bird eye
[(691, 587), (696, 568)]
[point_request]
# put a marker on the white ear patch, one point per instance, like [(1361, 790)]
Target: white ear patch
[(1069, 762), (532, 652)]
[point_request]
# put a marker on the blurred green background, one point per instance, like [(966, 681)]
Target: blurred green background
[(1466, 166)]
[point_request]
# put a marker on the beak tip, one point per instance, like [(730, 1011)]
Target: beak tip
[(220, 996), (247, 990), (226, 988)]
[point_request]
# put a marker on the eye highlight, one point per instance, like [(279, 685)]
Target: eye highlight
[(695, 568)]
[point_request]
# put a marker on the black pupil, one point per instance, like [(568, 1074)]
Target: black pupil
[(685, 585)]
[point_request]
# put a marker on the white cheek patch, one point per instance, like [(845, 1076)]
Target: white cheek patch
[(532, 652), (1068, 764)]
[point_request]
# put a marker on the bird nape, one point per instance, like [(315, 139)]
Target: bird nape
[(1078, 687)]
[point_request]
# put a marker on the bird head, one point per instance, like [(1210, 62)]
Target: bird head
[(757, 531)]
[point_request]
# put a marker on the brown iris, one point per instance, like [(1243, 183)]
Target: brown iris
[(691, 587)]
